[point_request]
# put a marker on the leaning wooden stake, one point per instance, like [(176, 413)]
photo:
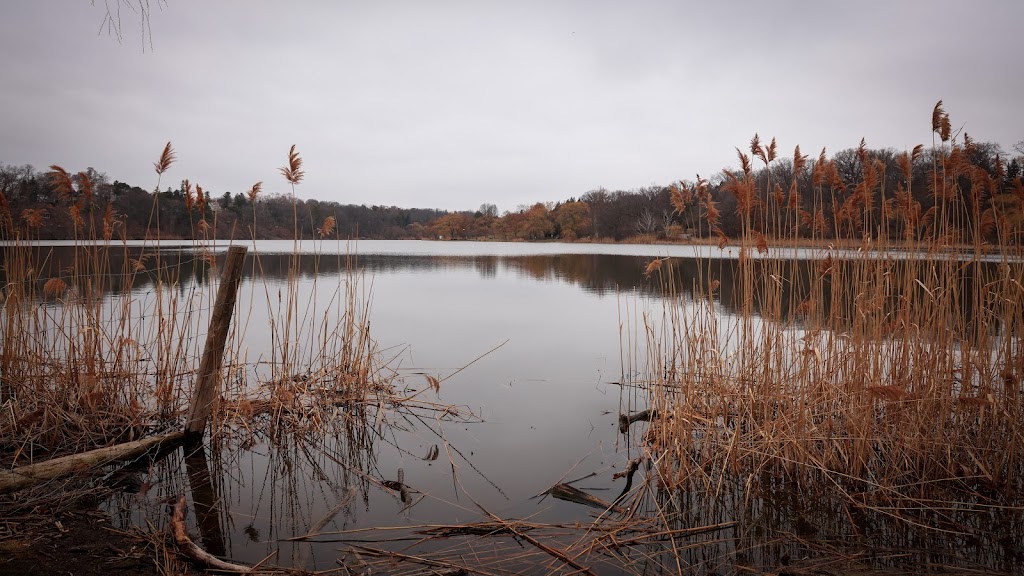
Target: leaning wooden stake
[(213, 353)]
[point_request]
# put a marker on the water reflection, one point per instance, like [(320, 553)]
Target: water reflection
[(596, 273)]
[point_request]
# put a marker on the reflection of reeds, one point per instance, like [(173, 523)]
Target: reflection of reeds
[(891, 386)]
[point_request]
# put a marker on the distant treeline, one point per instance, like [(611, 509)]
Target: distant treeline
[(823, 197)]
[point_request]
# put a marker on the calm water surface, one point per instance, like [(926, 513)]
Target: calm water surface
[(528, 337)]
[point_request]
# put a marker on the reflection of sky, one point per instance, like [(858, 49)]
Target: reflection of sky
[(540, 393), (545, 393)]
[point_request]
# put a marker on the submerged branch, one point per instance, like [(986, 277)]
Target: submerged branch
[(626, 420), (192, 550)]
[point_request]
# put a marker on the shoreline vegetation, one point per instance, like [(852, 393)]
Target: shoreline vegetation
[(869, 407), (883, 394), (862, 183)]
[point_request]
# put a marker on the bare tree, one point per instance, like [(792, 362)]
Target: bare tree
[(134, 11), (647, 222)]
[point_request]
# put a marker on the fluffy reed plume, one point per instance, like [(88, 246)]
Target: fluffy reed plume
[(33, 217), (940, 122), (756, 149), (60, 181), (653, 266), (681, 196), (293, 171), (200, 199), (327, 228), (85, 186), (166, 159), (109, 219), (54, 287), (254, 192), (189, 196), (76, 216)]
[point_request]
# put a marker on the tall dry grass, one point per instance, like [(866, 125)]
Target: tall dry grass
[(887, 376), (100, 339)]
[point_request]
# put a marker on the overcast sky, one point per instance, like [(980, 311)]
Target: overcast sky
[(454, 104)]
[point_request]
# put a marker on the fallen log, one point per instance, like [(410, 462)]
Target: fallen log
[(32, 474), (192, 550)]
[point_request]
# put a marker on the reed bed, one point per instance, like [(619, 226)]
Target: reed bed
[(100, 343), (877, 385), (101, 339)]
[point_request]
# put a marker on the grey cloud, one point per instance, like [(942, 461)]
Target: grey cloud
[(452, 104)]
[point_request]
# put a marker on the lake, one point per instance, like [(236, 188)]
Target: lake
[(519, 359)]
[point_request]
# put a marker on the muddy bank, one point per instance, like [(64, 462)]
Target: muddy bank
[(80, 543)]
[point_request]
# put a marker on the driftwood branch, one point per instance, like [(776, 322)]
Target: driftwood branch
[(631, 469), (32, 474), (192, 550)]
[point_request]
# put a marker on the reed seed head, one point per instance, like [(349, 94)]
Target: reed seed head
[(54, 288), (166, 159), (85, 185), (293, 171), (328, 227), (254, 191), (60, 181), (33, 217)]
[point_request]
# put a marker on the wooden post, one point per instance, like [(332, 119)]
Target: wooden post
[(213, 353)]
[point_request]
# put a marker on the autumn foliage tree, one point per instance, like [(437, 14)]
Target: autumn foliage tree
[(573, 220)]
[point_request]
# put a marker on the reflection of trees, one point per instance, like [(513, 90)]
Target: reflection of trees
[(123, 268), (594, 273)]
